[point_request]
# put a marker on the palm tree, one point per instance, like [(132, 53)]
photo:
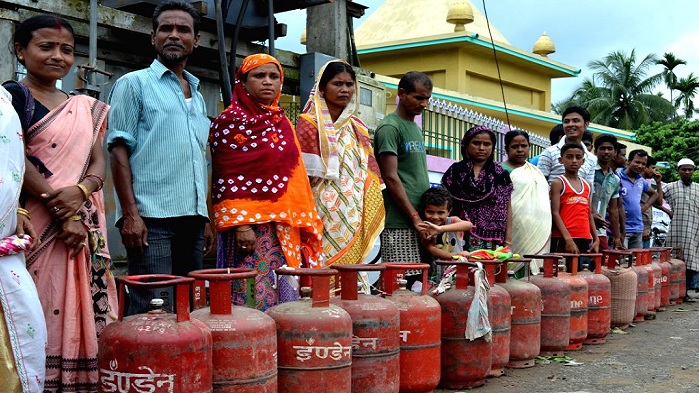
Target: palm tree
[(625, 98), (669, 61), (688, 88), (581, 96)]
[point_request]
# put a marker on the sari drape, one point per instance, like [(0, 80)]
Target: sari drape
[(483, 199), (78, 295), (22, 326), (531, 213), (344, 176), (258, 176)]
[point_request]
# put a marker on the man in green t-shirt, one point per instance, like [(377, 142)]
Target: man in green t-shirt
[(400, 151)]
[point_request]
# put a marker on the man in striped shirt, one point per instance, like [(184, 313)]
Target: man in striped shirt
[(158, 129), (575, 122)]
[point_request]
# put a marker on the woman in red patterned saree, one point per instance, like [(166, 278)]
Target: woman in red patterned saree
[(262, 201)]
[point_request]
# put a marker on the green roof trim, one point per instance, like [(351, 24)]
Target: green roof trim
[(501, 109), (473, 38)]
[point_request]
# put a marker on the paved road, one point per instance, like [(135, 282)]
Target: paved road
[(655, 356)]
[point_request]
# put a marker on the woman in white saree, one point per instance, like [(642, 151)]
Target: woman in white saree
[(22, 325), (531, 209)]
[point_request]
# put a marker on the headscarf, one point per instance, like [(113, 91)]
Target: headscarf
[(257, 172), (349, 236), (325, 163), (482, 200)]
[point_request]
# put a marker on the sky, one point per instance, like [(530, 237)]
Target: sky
[(583, 31)]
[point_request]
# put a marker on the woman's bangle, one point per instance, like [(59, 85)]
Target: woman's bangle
[(100, 181), (507, 243), (85, 191), (244, 230), (24, 212), (75, 218)]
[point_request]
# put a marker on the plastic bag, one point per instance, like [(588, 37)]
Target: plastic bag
[(477, 324)]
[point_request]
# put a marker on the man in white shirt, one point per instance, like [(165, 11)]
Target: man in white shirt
[(575, 122)]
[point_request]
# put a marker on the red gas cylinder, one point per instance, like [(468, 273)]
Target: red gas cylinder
[(624, 287), (599, 295), (682, 269), (675, 276), (658, 268), (663, 259), (245, 339), (465, 363), (654, 276), (642, 293), (525, 330), (136, 353), (420, 328), (555, 312), (314, 338), (578, 302), (500, 317), (376, 334)]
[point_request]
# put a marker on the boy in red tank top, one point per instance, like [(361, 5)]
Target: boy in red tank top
[(574, 228)]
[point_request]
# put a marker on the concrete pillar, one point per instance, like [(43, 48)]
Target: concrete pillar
[(326, 29), (7, 67)]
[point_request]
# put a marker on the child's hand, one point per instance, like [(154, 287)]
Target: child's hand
[(432, 229), (600, 222), (571, 247), (422, 230), (619, 244)]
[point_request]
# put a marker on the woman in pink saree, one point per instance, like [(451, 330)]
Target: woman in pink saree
[(62, 190)]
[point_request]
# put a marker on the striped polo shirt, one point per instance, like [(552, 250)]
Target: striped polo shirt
[(166, 138)]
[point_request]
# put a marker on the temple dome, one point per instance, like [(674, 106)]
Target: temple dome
[(544, 45), (418, 20)]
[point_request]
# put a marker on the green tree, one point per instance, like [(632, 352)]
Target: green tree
[(687, 87), (620, 93), (669, 62), (587, 92), (671, 142)]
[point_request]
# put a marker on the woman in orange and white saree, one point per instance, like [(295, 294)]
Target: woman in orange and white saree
[(341, 166), (262, 201)]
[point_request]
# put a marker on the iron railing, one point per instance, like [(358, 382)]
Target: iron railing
[(445, 123)]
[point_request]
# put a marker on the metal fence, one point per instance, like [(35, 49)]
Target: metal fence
[(445, 123), (292, 110)]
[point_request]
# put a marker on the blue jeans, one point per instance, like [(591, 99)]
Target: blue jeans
[(175, 246), (633, 240)]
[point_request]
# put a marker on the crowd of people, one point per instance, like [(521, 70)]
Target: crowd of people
[(313, 195)]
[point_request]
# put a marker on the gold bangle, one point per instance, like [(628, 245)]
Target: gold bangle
[(85, 191), (100, 181), (244, 230), (75, 218), (24, 212)]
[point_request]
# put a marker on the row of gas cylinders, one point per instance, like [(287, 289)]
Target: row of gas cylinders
[(399, 341)]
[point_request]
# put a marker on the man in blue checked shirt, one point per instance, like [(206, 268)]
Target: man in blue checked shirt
[(158, 131)]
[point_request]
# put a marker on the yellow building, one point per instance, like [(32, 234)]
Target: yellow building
[(405, 35)]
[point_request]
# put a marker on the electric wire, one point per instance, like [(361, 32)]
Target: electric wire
[(497, 64)]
